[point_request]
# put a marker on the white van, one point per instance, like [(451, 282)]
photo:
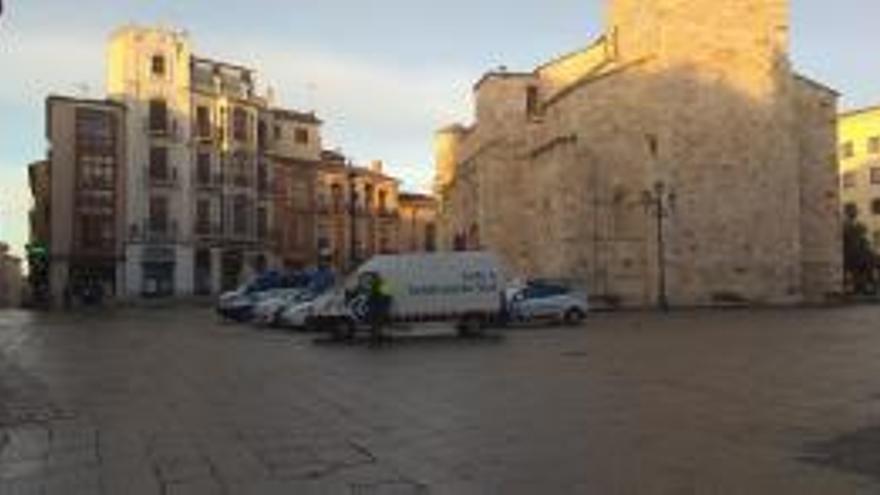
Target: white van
[(466, 288)]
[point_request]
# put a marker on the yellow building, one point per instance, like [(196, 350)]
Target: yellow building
[(859, 136)]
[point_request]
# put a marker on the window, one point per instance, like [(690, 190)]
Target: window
[(531, 100), (96, 171), (157, 65), (430, 238), (203, 168), (336, 195), (277, 132), (850, 210), (875, 175), (203, 122), (850, 179), (203, 217), (95, 130), (159, 163), (159, 214), (239, 124), (383, 202), (874, 145), (261, 134), (262, 176), (368, 197), (262, 223), (301, 136), (96, 231), (158, 116), (875, 207), (239, 215), (847, 150)]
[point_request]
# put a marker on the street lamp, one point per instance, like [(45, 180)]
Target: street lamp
[(660, 202)]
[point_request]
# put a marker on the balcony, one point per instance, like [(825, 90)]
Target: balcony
[(155, 234), (209, 182), (242, 181), (207, 231), (240, 237), (203, 132), (387, 213), (164, 132)]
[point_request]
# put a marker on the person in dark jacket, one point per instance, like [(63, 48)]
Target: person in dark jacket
[(379, 301)]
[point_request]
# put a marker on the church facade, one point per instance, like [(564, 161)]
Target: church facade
[(688, 106)]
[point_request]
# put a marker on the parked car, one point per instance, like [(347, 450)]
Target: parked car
[(297, 314), (269, 310), (466, 288), (239, 305), (547, 302)]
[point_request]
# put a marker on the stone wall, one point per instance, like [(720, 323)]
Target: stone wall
[(821, 227), (711, 108)]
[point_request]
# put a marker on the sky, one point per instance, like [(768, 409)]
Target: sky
[(382, 74)]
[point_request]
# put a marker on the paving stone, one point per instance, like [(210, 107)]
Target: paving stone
[(777, 401)]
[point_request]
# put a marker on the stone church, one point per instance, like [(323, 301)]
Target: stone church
[(558, 171)]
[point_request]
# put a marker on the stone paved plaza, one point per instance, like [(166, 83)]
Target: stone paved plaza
[(175, 402)]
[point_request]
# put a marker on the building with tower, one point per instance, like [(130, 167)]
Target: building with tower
[(198, 203), (556, 169)]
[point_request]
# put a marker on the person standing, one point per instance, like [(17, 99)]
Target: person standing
[(379, 302)]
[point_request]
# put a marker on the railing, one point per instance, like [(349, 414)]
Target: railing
[(203, 133), (168, 131), (213, 181), (168, 181), (208, 230), (156, 236), (241, 181)]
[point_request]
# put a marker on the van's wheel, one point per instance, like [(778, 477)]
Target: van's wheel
[(573, 316), (471, 326)]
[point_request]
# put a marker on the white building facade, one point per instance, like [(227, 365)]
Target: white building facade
[(194, 182)]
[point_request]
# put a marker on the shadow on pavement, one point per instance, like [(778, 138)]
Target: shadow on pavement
[(414, 340), (856, 452)]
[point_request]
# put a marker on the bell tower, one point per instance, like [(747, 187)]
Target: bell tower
[(709, 31)]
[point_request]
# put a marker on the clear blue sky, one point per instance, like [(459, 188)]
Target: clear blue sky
[(382, 73)]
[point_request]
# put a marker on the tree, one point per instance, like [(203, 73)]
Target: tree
[(859, 260)]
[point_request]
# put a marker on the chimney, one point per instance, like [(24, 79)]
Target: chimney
[(376, 166)]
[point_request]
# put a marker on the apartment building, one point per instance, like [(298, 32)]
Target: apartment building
[(859, 140), (85, 195), (357, 211), (294, 146), (199, 206), (11, 284)]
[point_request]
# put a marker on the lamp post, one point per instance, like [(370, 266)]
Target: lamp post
[(660, 202)]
